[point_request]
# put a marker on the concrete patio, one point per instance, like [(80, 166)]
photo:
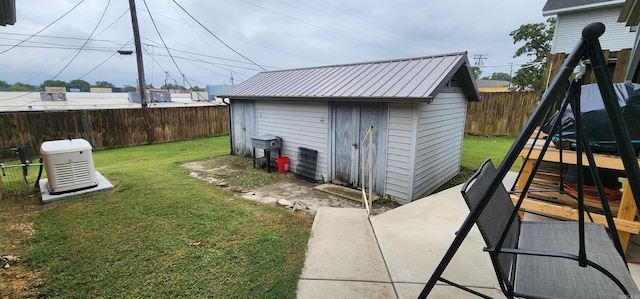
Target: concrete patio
[(392, 255)]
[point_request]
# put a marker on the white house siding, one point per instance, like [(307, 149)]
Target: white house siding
[(438, 142), (402, 128), (569, 30), (299, 124)]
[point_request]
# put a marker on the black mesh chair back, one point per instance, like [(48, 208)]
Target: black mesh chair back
[(494, 219)]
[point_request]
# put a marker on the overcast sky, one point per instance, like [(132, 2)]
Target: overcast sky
[(269, 34)]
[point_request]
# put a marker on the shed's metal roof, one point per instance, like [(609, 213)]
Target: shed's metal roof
[(555, 6), (410, 78)]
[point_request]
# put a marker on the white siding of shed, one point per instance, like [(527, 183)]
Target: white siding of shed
[(569, 30), (438, 142), (400, 152), (299, 124)]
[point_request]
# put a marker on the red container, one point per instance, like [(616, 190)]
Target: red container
[(283, 164)]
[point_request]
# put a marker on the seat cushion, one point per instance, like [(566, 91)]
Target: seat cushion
[(549, 277)]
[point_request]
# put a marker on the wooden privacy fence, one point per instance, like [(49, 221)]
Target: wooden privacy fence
[(111, 128), (617, 63), (500, 113)]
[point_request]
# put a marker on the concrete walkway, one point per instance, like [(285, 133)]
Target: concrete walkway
[(392, 255)]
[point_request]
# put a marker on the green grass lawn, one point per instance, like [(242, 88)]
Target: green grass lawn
[(163, 234), (475, 150)]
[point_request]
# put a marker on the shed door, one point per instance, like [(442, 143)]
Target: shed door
[(351, 123), (243, 126)]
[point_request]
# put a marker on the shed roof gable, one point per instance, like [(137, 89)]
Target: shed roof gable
[(410, 78)]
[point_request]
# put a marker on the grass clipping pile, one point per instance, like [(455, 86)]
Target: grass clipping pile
[(285, 189)]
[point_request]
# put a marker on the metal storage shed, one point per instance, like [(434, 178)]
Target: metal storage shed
[(417, 107)]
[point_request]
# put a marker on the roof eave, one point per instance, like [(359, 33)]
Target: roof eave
[(547, 13), (467, 79), (332, 99)]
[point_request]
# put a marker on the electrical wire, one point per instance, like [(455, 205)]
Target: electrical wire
[(43, 29), (116, 20), (204, 55), (76, 53), (104, 61), (85, 42), (62, 37), (220, 40), (194, 30), (65, 47), (313, 25), (162, 39)]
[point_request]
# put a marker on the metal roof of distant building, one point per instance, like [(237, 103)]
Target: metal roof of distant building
[(14, 101), (410, 78), (492, 83), (556, 6)]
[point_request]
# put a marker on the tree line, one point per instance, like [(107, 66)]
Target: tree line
[(84, 86), (537, 39)]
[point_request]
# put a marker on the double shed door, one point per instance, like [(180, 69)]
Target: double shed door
[(351, 123)]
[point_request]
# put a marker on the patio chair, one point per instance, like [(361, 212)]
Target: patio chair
[(540, 259), (571, 259)]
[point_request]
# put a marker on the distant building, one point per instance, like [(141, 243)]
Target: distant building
[(630, 15), (492, 85), (15, 101), (214, 90), (572, 16), (55, 89), (100, 89)]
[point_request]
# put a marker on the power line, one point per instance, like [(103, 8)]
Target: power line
[(43, 29), (194, 30), (313, 25), (205, 55), (116, 20), (207, 29), (63, 37), (104, 61), (162, 39), (85, 42)]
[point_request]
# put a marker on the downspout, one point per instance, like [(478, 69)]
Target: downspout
[(230, 131)]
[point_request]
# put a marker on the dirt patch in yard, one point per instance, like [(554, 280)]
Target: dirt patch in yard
[(238, 175), (16, 279)]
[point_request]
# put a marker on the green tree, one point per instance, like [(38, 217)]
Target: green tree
[(197, 88), (500, 76), (537, 43), (22, 87), (104, 84), (476, 71), (171, 86), (53, 83), (82, 85), (128, 88), (4, 85)]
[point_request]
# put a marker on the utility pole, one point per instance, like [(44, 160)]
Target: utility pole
[(480, 58), (166, 80), (183, 88), (510, 75), (136, 38)]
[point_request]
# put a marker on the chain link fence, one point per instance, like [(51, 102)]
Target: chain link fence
[(20, 175)]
